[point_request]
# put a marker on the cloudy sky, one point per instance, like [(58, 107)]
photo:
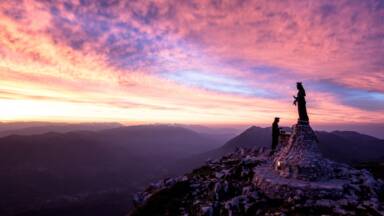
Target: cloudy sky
[(201, 62)]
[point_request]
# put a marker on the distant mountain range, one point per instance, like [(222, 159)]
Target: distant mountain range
[(219, 135), (34, 168), (71, 169), (31, 128)]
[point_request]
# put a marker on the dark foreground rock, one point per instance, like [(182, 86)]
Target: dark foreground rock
[(297, 180)]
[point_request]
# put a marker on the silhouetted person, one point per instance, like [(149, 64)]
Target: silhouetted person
[(275, 134), (301, 104)]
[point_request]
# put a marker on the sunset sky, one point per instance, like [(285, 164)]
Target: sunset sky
[(196, 62)]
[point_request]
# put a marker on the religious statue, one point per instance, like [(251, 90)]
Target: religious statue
[(301, 104)]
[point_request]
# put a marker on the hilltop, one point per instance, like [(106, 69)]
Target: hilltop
[(297, 180)]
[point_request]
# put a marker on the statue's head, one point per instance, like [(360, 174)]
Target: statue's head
[(299, 85)]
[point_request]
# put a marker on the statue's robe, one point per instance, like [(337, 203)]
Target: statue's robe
[(301, 106)]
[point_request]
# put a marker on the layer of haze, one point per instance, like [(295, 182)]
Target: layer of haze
[(196, 62)]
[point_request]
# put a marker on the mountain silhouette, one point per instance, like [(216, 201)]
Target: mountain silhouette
[(35, 168), (31, 128)]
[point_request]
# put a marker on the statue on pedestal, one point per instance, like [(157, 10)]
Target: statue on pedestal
[(299, 172), (301, 157), (301, 104)]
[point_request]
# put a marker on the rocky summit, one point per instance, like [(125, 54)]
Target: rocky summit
[(295, 180)]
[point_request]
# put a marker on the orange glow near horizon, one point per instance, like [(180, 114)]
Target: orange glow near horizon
[(238, 68)]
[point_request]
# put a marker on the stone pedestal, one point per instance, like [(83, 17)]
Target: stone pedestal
[(299, 174), (301, 158)]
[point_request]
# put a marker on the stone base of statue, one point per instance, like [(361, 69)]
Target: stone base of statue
[(298, 172), (300, 158)]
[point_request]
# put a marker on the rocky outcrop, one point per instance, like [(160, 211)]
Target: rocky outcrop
[(297, 180)]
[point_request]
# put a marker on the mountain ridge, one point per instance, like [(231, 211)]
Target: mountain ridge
[(41, 167)]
